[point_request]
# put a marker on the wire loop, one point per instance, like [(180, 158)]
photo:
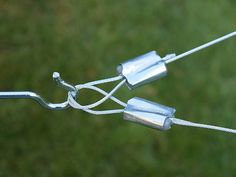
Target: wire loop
[(90, 85)]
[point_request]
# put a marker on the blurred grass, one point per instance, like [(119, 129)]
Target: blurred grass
[(85, 40)]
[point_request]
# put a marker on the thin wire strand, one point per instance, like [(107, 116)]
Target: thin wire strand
[(91, 86), (102, 100), (104, 93), (116, 111), (112, 79), (76, 105), (201, 47), (198, 125)]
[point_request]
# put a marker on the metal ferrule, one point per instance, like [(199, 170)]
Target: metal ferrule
[(143, 69), (149, 113)]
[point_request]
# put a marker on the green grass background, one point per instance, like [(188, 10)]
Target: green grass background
[(85, 40)]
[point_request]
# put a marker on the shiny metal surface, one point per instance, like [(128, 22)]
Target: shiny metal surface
[(61, 83), (142, 104), (34, 96), (38, 98), (143, 69), (149, 113)]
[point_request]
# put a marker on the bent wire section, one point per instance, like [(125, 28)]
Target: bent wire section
[(39, 99), (72, 95), (36, 97)]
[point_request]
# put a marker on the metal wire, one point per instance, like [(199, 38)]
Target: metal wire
[(74, 90), (198, 125), (72, 94), (32, 95), (73, 103), (169, 60), (36, 97)]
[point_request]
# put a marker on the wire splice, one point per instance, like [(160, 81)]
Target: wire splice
[(135, 72)]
